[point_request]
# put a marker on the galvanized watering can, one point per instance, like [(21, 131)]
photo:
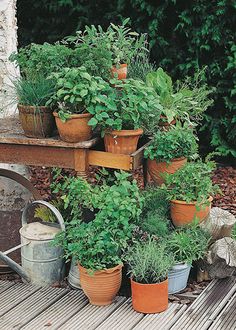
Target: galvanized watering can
[(42, 263)]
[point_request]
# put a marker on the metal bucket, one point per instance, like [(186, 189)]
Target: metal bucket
[(73, 277), (178, 278)]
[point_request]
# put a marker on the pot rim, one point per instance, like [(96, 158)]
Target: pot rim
[(107, 270), (182, 265), (149, 284), (125, 132), (177, 201), (121, 65), (32, 106), (75, 115)]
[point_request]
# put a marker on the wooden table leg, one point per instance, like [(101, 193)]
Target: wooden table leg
[(81, 162)]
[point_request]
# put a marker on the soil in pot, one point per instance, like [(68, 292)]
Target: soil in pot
[(178, 278), (122, 142), (75, 129), (183, 213), (102, 286), (37, 122), (149, 298), (120, 73), (158, 169)]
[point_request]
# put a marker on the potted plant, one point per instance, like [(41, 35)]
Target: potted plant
[(75, 90), (149, 263), (31, 96), (187, 245), (190, 191), (185, 100), (127, 111), (169, 151)]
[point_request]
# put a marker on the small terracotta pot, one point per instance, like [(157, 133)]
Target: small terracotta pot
[(37, 122), (122, 142), (121, 72), (158, 169), (149, 298), (183, 213), (102, 286), (75, 129)]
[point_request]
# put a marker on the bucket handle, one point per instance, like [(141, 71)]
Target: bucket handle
[(50, 206)]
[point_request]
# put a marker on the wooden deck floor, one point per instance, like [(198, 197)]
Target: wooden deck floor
[(34, 308)]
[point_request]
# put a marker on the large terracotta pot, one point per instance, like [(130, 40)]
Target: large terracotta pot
[(149, 298), (37, 122), (120, 73), (158, 169), (102, 286), (122, 142), (75, 129), (183, 213)]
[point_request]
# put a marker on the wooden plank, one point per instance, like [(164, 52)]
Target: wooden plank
[(4, 285), (123, 318), (207, 306), (37, 155), (164, 320), (226, 320), (27, 310), (137, 156), (90, 317), (59, 312), (107, 159)]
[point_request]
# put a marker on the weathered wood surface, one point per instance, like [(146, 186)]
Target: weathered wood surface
[(29, 307)]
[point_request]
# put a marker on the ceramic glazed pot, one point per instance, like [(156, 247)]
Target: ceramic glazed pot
[(122, 142), (120, 73), (183, 213), (102, 286), (37, 122), (149, 298), (75, 129), (178, 278), (158, 169)]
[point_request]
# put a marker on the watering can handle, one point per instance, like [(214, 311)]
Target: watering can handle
[(50, 206)]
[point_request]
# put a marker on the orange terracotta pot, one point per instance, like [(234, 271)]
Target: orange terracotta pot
[(119, 73), (75, 129), (183, 213), (158, 169), (122, 142), (102, 286), (149, 298), (37, 122)]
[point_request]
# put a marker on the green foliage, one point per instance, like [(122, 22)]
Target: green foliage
[(42, 59), (234, 232), (130, 105), (175, 143), (155, 200), (192, 183), (155, 224), (188, 244), (140, 66), (75, 90), (149, 262)]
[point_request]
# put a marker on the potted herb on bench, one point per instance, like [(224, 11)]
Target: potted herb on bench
[(169, 151)]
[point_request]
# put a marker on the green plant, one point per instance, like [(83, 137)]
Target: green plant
[(192, 183), (179, 141), (140, 66), (75, 91), (188, 244), (149, 262), (130, 105), (155, 199), (155, 224)]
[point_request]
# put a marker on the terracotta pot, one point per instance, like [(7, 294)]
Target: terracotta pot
[(149, 298), (122, 142), (183, 213), (75, 129), (102, 286), (121, 72), (158, 169), (37, 122)]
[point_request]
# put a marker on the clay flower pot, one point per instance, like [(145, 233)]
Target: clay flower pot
[(37, 122), (120, 73), (149, 298), (158, 169), (122, 142), (102, 286), (183, 213), (75, 129)]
